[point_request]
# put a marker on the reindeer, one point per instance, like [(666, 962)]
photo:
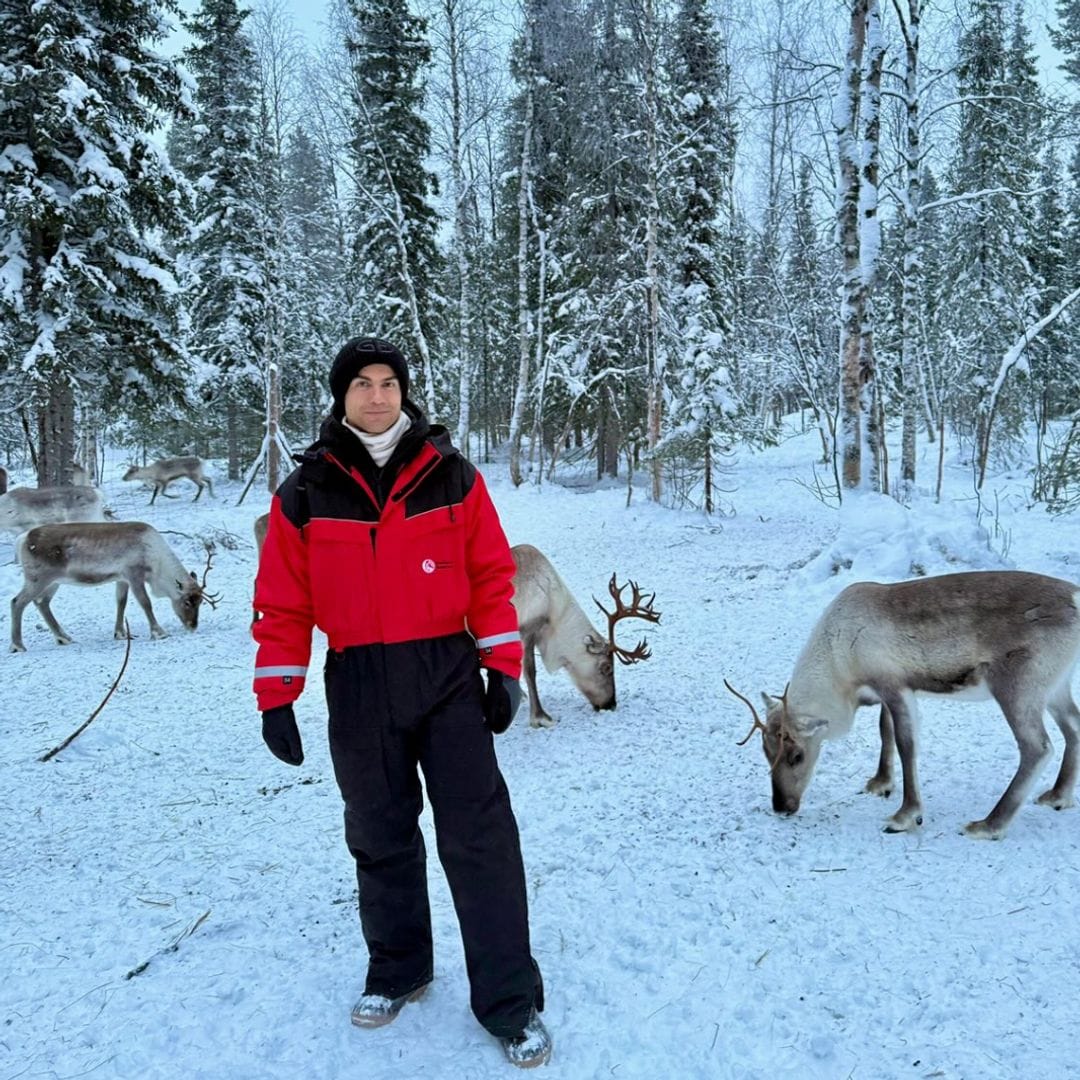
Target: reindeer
[(262, 524), (162, 473), (551, 620), (3, 480), (131, 553), (1006, 634), (23, 508)]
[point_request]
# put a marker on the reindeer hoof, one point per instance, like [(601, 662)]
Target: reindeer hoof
[(882, 788), (980, 830), (1053, 799), (544, 721), (18, 648), (898, 824)]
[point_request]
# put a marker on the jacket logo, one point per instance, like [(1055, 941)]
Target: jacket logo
[(428, 566)]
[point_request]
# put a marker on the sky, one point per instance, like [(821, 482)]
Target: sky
[(308, 14)]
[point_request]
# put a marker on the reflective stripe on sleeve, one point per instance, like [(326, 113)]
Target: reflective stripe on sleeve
[(497, 639), (279, 672)]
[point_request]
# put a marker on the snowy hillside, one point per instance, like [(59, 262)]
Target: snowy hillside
[(177, 903)]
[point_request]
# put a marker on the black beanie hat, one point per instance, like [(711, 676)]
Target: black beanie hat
[(355, 355)]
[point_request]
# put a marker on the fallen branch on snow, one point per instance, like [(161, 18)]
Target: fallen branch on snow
[(186, 933), (82, 727)]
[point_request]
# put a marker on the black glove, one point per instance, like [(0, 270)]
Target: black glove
[(501, 701), (282, 735)]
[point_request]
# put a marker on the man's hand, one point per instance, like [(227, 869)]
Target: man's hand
[(281, 734), (501, 701)]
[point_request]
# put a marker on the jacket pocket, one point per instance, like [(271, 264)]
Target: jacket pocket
[(435, 569), (339, 566)]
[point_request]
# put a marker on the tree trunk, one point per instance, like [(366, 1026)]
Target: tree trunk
[(652, 167), (912, 258), (232, 437), (517, 416), (846, 114), (461, 228), (273, 426), (869, 247), (708, 471), (56, 434)]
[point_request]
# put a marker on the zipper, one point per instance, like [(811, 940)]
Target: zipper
[(417, 479)]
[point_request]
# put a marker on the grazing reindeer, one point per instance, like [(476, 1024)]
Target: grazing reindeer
[(3, 479), (23, 508), (162, 473), (1011, 635), (551, 620), (262, 523), (131, 553)]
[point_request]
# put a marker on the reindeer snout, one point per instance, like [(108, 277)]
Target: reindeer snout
[(609, 704), (785, 804)]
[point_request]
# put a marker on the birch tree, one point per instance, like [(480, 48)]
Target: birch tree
[(855, 377)]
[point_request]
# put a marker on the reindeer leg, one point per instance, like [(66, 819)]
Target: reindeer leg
[(881, 783), (1063, 709), (157, 488), (139, 589), (42, 602), (904, 721), (198, 491), (121, 604), (18, 606), (1023, 705), (537, 716)]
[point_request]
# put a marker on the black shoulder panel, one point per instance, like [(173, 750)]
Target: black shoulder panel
[(447, 485), (321, 489), (291, 500)]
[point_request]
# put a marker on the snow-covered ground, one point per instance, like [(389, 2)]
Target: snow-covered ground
[(174, 902)]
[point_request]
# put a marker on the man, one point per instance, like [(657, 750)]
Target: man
[(386, 539)]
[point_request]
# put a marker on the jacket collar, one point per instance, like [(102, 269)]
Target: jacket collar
[(422, 449)]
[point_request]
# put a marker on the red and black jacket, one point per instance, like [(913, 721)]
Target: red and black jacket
[(425, 559)]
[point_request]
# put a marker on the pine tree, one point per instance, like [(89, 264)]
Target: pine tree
[(87, 199), (697, 206), (395, 263), (223, 258), (1066, 37), (314, 323), (988, 287)]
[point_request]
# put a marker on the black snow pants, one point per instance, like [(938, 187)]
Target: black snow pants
[(392, 708)]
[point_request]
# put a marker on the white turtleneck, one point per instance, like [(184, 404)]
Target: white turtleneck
[(380, 447)]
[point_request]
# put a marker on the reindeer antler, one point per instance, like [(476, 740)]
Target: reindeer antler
[(758, 725), (783, 734), (209, 598), (640, 607)]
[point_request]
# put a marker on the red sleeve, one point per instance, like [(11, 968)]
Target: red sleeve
[(492, 617), (283, 615)]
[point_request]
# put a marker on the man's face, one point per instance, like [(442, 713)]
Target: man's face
[(373, 400)]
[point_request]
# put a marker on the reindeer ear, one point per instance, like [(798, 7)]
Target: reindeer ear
[(809, 726), (770, 701), (593, 645), (193, 577)]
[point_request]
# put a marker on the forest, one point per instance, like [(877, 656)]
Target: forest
[(621, 237)]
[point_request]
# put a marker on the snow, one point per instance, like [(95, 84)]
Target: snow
[(147, 270), (177, 903)]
